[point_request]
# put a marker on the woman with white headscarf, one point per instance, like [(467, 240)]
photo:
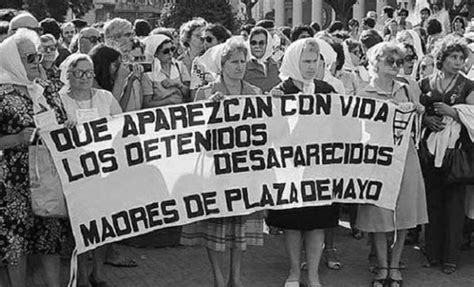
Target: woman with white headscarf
[(26, 103), (261, 70), (166, 84), (237, 232), (411, 37), (298, 73), (353, 75)]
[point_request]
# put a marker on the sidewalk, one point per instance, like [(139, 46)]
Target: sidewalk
[(267, 267)]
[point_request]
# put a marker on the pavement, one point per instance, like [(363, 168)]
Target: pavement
[(267, 266)]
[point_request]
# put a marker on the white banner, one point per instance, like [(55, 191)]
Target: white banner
[(170, 166)]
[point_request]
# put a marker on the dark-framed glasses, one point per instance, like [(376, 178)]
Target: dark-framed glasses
[(49, 49), (92, 39), (208, 39), (392, 61), (80, 73), (410, 58), (167, 50), (259, 43), (33, 58)]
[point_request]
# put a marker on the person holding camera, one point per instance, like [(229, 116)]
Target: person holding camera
[(168, 81)]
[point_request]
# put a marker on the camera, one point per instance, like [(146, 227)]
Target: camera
[(146, 66)]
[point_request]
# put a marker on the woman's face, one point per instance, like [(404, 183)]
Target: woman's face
[(114, 67), (409, 63), (453, 63), (458, 26), (308, 63), (356, 56), (234, 67), (81, 76), (258, 45), (209, 40), (30, 59), (49, 50), (196, 42), (165, 54), (393, 27), (389, 65)]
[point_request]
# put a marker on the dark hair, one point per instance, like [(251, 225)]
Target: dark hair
[(427, 10), (343, 35), (285, 31), (353, 44), (433, 27), (389, 11), (340, 58), (267, 24), (247, 28), (369, 22), (448, 46), (79, 23), (220, 32), (370, 38), (167, 41), (403, 10), (407, 46), (353, 22), (7, 14), (461, 19), (300, 29), (316, 27), (50, 26), (141, 27), (335, 26), (3, 27), (103, 56)]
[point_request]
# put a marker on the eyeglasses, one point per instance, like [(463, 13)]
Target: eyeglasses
[(410, 58), (92, 39), (49, 49), (255, 43), (80, 73), (139, 58), (391, 61), (33, 58), (208, 39), (167, 51)]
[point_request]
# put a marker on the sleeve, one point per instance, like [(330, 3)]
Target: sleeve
[(114, 105), (147, 85)]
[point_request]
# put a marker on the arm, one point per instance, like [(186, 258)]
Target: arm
[(22, 138), (149, 102)]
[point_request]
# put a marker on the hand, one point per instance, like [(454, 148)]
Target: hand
[(26, 136), (420, 109), (70, 124), (137, 71), (217, 96), (443, 109), (434, 123), (276, 93)]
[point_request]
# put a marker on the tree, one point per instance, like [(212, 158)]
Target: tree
[(56, 9), (214, 11), (342, 9), (249, 4)]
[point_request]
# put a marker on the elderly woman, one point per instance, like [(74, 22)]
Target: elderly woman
[(441, 91), (191, 38), (385, 61), (261, 69), (353, 56), (165, 84), (88, 38), (202, 72), (22, 97), (48, 48), (237, 232), (298, 72), (84, 103), (118, 33)]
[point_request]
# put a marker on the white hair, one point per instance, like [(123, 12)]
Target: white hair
[(116, 27), (24, 35)]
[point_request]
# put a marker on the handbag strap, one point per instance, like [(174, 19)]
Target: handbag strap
[(36, 168)]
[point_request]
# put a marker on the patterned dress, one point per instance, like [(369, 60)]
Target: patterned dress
[(21, 232)]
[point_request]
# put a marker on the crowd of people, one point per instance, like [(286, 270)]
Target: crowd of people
[(79, 72)]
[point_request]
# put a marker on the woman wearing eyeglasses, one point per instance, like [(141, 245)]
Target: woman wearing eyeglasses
[(48, 48), (23, 96), (262, 70), (385, 60), (88, 38), (167, 83), (354, 76), (84, 103), (202, 72)]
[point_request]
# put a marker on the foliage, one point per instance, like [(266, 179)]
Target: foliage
[(56, 9), (214, 11)]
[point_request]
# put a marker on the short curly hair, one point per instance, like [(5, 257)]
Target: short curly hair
[(448, 46), (187, 29)]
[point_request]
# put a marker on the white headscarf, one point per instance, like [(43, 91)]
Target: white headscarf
[(13, 72), (348, 65), (290, 65), (328, 53), (268, 51), (211, 59), (152, 43)]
